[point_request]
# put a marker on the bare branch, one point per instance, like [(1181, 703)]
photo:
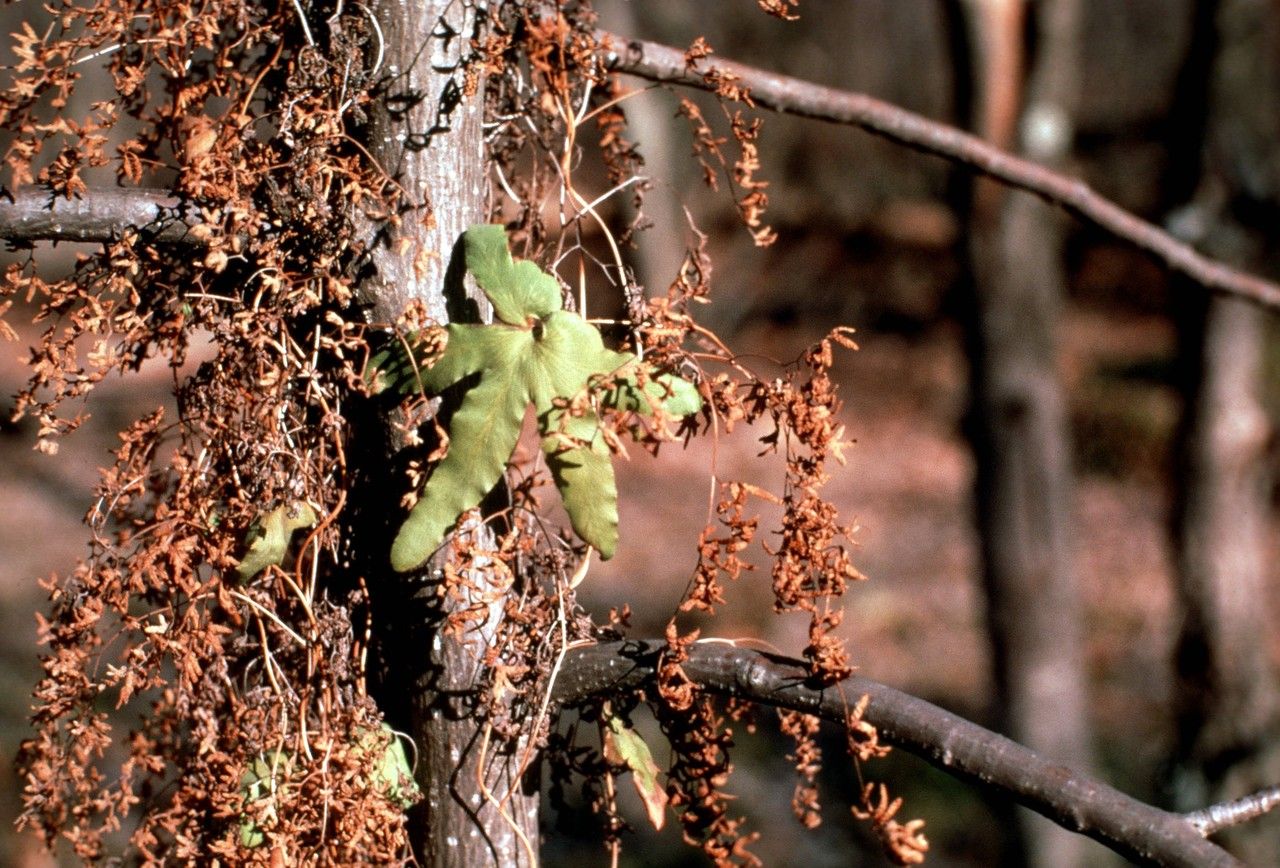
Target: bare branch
[(101, 214), (1138, 831), (1215, 818), (795, 96)]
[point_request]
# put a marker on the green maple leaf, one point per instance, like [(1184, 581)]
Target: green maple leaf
[(536, 354)]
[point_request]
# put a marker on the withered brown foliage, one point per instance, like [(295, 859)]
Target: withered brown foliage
[(749, 191), (812, 566), (784, 9), (225, 104), (254, 120), (903, 843), (802, 729)]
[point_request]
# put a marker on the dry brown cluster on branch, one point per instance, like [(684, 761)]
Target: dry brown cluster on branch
[(229, 105)]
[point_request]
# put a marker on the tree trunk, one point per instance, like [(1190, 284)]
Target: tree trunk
[(1018, 419), (1227, 705), (651, 122), (427, 135)]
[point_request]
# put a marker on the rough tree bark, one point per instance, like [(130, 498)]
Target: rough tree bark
[(427, 135), (1017, 422), (1227, 705)]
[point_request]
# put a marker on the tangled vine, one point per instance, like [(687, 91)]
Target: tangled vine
[(216, 603)]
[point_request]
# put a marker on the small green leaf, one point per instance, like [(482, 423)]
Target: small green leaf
[(250, 835), (624, 745), (265, 775), (517, 290), (392, 774), (267, 539)]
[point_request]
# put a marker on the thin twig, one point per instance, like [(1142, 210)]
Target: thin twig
[(795, 96), (269, 615), (1140, 832), (382, 42), (1215, 818), (530, 853), (302, 18)]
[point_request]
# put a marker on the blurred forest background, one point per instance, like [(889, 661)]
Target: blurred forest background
[(1065, 460)]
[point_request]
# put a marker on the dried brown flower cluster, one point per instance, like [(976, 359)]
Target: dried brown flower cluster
[(784, 9), (749, 191), (229, 105), (903, 842), (802, 729)]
